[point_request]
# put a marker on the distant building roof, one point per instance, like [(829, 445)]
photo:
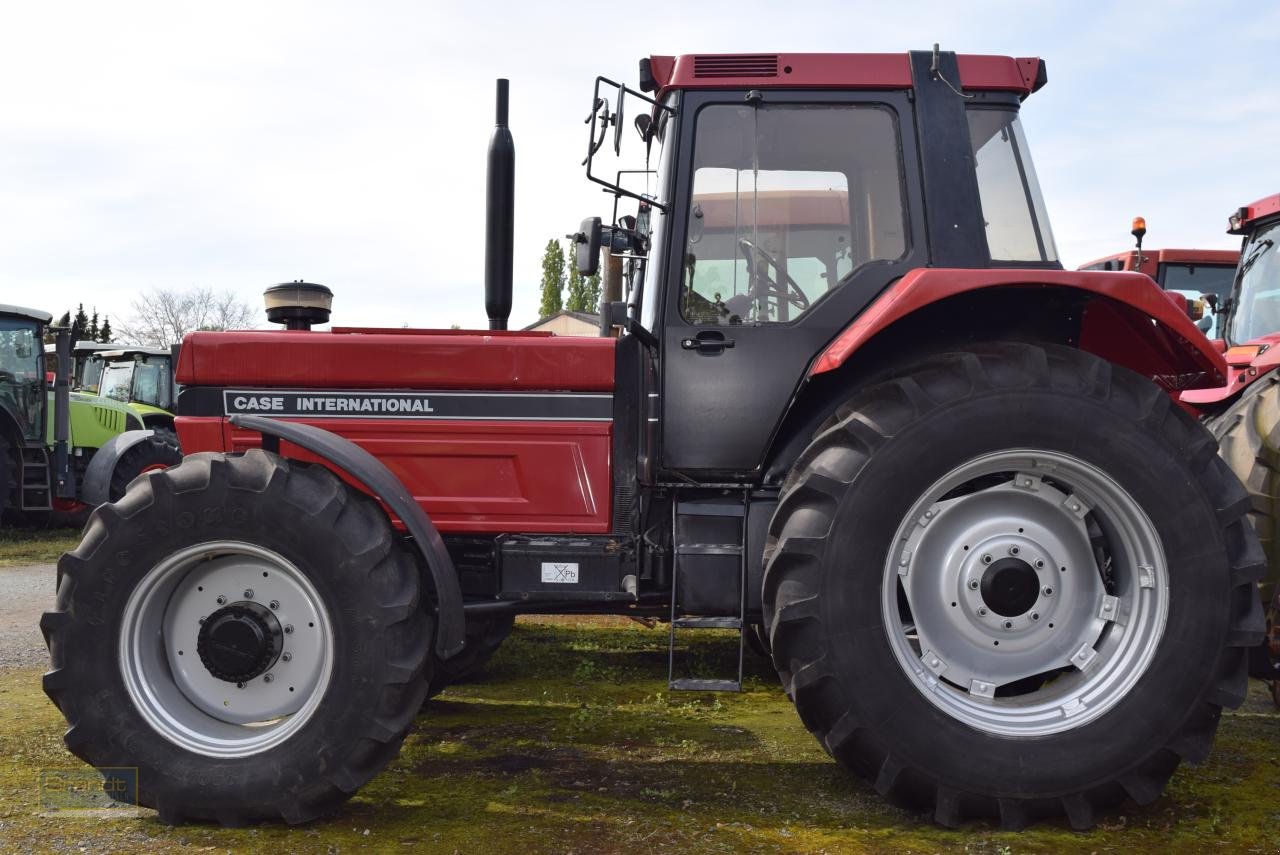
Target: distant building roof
[(585, 317)]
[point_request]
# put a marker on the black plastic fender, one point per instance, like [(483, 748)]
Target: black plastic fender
[(97, 475), (369, 471)]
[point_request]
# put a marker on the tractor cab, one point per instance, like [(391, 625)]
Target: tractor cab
[(1253, 310), (141, 377), (22, 375), (1201, 278)]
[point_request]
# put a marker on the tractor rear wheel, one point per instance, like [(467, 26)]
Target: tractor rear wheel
[(1012, 582), (151, 454), (1248, 434), (484, 636), (244, 631)]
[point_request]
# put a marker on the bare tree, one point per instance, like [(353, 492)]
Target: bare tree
[(162, 316)]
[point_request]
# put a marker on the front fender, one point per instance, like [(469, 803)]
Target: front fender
[(369, 471), (96, 489), (1126, 319)]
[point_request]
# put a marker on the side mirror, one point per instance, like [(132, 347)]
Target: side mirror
[(586, 247)]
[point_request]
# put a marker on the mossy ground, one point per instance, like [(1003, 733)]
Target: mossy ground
[(571, 743), (22, 545)]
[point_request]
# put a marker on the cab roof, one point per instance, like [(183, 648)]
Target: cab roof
[(133, 351), (1242, 219), (23, 312), (1020, 75)]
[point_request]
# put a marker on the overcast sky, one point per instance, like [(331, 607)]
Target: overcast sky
[(236, 145)]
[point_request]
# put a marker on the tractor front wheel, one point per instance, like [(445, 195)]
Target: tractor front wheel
[(1013, 582), (244, 631)]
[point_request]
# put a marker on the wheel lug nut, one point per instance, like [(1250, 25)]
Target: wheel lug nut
[(201, 620), (982, 610), (274, 604), (1008, 624), (286, 656), (1013, 550), (1048, 592), (267, 678), (248, 593), (221, 600), (973, 584), (288, 629), (1035, 616), (239, 685), (1039, 564), (986, 559)]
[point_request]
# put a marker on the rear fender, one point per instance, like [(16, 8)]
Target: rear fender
[(1125, 319), (368, 471), (96, 489)]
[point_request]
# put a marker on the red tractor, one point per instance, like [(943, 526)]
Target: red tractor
[(1244, 415), (1202, 277), (1001, 572)]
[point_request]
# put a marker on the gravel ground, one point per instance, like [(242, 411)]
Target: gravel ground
[(25, 593)]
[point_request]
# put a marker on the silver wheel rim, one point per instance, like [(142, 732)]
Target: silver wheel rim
[(990, 647), (176, 693)]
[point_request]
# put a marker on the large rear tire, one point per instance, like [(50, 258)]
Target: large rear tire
[(1248, 435), (484, 635), (1038, 458), (151, 454), (244, 631)]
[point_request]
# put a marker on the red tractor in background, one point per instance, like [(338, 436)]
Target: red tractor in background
[(1202, 277), (1001, 572), (1244, 415)]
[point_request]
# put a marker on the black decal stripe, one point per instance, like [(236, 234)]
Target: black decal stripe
[(415, 404)]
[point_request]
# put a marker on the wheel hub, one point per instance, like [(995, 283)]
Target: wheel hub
[(1010, 587), (240, 641)]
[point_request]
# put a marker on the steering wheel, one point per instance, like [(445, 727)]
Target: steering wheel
[(790, 291)]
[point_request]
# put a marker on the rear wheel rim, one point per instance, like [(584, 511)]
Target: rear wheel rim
[(174, 689), (1025, 593)]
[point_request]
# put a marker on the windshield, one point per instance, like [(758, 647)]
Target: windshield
[(1194, 280), (117, 381), (1255, 312), (21, 375)]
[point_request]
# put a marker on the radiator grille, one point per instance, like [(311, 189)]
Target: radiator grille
[(736, 65)]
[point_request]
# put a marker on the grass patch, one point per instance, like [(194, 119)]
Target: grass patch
[(21, 546), (571, 743)]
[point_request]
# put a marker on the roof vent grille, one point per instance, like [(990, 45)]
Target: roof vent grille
[(736, 65)]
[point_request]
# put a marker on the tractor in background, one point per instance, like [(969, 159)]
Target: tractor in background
[(1244, 415), (1202, 277), (50, 436), (1000, 571), (141, 377)]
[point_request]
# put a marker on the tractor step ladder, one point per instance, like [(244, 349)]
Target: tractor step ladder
[(689, 552), (37, 491)]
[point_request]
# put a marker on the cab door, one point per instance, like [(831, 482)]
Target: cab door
[(793, 210)]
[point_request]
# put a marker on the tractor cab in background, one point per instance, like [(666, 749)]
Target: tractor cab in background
[(143, 378), (1202, 277)]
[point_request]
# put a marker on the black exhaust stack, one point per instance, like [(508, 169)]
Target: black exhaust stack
[(499, 236), (64, 479)]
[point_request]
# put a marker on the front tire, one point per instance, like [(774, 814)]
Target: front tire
[(1118, 486), (151, 668)]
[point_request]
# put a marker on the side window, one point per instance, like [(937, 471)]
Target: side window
[(787, 202), (1012, 206)]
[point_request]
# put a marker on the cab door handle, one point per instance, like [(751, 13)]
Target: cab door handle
[(707, 341)]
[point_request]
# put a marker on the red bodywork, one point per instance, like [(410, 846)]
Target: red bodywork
[(1130, 322), (1023, 75), (469, 475)]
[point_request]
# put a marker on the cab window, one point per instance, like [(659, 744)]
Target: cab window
[(787, 202)]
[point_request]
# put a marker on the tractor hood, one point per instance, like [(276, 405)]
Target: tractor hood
[(364, 358)]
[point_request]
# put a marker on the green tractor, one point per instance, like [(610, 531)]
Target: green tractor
[(52, 440), (141, 377)]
